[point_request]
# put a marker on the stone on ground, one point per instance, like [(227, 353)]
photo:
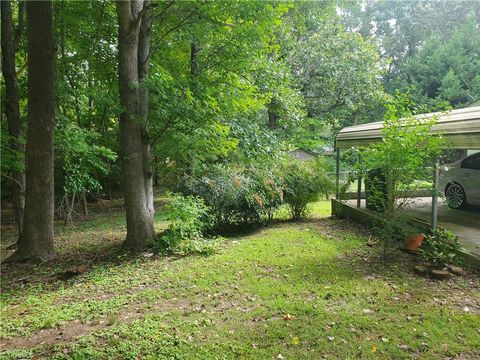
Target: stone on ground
[(440, 274)]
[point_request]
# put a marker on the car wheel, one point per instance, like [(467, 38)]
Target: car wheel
[(455, 196)]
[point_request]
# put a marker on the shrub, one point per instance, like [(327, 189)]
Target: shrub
[(190, 220), (253, 194), (305, 182), (237, 196), (268, 190), (440, 247)]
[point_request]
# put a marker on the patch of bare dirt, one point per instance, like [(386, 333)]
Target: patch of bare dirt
[(46, 338), (71, 330)]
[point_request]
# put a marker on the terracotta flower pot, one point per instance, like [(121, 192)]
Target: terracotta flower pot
[(413, 242)]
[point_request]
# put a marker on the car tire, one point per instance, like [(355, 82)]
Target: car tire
[(455, 196)]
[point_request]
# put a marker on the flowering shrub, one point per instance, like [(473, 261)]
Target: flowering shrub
[(251, 195), (235, 196), (305, 183)]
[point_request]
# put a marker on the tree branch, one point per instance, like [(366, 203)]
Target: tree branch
[(19, 29), (159, 41), (164, 10), (178, 25), (18, 183)]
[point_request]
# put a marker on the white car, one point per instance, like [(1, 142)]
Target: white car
[(460, 182)]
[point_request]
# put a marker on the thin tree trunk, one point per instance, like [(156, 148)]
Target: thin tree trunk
[(68, 217), (84, 204), (194, 66), (139, 220), (143, 68), (37, 236), (12, 106)]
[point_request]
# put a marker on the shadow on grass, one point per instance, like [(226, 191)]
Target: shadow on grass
[(240, 230), (100, 245), (91, 242), (47, 273)]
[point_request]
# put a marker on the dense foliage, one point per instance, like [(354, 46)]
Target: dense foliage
[(440, 247), (252, 194), (237, 196), (310, 64), (227, 196), (305, 183), (431, 46), (190, 220)]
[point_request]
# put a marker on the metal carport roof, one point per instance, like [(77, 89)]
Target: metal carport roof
[(460, 128)]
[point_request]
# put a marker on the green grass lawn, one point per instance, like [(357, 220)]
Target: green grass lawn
[(294, 290)]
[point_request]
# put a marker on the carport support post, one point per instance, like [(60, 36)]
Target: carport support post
[(359, 185), (337, 175), (435, 194)]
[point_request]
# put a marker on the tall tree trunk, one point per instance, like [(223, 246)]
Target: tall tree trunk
[(139, 219), (143, 67), (37, 236), (12, 105)]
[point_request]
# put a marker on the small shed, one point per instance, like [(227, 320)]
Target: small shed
[(303, 154), (460, 128)]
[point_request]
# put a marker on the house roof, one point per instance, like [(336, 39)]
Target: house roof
[(460, 128), (311, 152)]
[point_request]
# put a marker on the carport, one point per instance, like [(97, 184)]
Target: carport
[(460, 128)]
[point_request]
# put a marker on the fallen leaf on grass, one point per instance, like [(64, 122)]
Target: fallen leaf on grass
[(373, 348)]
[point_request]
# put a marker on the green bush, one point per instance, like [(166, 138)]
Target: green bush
[(189, 220), (253, 194), (267, 189), (237, 196), (305, 182), (440, 247)]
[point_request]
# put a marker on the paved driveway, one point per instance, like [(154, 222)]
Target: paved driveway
[(464, 223)]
